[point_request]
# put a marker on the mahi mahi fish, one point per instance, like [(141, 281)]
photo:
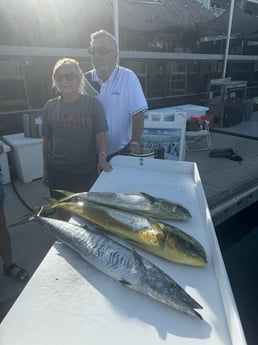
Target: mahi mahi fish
[(121, 263), (156, 237), (143, 203)]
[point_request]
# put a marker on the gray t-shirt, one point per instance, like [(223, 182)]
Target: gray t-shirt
[(71, 129)]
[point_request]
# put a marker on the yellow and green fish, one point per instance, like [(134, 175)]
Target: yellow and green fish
[(141, 203), (156, 237)]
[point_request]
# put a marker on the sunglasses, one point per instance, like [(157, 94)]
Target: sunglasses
[(102, 51), (67, 76)]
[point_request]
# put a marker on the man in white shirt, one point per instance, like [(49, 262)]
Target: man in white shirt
[(119, 91)]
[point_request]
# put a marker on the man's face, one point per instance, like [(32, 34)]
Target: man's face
[(103, 57)]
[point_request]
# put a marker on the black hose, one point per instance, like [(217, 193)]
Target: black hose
[(19, 196), (44, 212)]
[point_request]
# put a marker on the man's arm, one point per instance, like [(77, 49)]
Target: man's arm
[(137, 129)]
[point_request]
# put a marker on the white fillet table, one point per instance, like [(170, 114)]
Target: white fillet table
[(69, 302)]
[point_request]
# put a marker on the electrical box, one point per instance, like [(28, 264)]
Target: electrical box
[(223, 99)]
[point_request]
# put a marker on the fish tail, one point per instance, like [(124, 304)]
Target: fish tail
[(197, 314), (52, 204), (32, 215), (50, 200), (67, 195), (25, 219)]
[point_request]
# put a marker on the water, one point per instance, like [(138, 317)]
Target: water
[(238, 238)]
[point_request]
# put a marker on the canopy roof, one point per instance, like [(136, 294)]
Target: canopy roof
[(164, 15), (67, 23), (242, 23)]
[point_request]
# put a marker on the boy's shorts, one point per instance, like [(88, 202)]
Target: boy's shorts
[(70, 182)]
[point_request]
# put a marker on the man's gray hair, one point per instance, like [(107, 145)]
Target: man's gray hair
[(104, 34)]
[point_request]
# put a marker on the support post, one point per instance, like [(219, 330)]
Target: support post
[(230, 19), (116, 22)]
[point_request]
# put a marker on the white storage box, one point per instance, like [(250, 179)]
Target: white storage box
[(164, 132), (4, 164), (193, 110), (26, 156)]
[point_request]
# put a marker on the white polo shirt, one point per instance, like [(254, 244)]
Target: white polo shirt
[(122, 97)]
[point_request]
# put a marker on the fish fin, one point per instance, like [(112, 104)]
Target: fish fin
[(151, 198), (64, 192), (67, 195), (93, 226), (138, 258), (194, 304), (162, 225), (50, 200), (50, 206), (197, 314), (124, 283)]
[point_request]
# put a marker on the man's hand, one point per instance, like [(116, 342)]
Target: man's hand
[(134, 147)]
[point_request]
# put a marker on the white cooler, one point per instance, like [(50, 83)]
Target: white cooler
[(193, 110), (4, 164), (26, 156)]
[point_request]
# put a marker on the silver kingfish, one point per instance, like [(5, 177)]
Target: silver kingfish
[(121, 263)]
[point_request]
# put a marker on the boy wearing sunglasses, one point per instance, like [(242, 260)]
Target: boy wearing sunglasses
[(120, 93)]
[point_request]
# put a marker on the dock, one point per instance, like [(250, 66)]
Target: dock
[(230, 186)]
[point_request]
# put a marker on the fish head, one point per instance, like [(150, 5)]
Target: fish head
[(183, 248), (175, 211)]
